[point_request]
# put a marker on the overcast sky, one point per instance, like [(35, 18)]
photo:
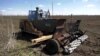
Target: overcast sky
[(61, 7)]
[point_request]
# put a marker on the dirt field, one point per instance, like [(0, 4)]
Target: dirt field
[(9, 46)]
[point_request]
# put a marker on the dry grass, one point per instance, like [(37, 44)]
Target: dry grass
[(9, 46)]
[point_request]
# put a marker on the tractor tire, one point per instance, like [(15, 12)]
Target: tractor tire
[(52, 47)]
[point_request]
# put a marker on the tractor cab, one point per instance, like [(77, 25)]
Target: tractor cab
[(38, 14)]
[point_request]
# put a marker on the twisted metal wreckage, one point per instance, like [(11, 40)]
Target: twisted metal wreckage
[(56, 34)]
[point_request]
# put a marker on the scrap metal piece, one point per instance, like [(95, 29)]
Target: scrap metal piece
[(73, 45)]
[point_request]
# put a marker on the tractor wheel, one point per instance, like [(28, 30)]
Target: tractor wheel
[(52, 47)]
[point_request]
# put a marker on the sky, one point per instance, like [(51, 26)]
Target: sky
[(60, 7)]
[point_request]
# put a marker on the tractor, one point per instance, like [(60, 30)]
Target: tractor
[(55, 34)]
